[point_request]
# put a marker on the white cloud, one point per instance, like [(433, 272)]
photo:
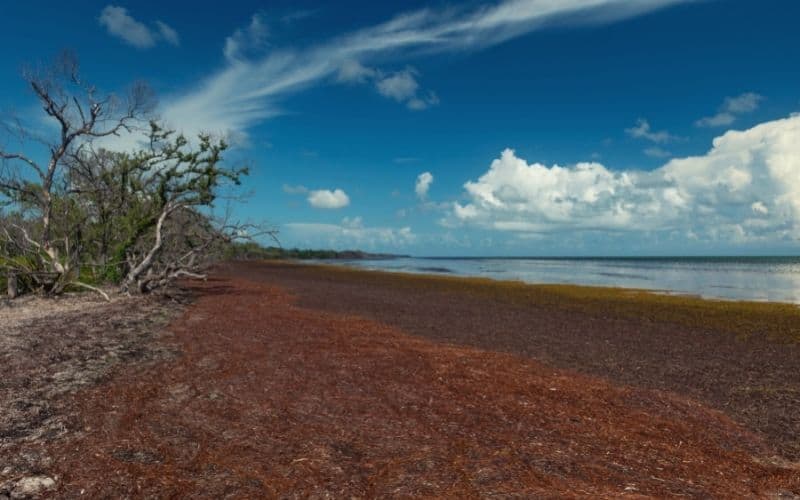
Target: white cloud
[(246, 41), (350, 234), (424, 181), (299, 189), (642, 130), (353, 222), (399, 86), (714, 196), (743, 103), (731, 107), (759, 208), (299, 15), (119, 23), (168, 33), (424, 102), (354, 72), (325, 198), (247, 90), (721, 119), (657, 152)]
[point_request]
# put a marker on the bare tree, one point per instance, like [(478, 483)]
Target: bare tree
[(181, 180), (190, 242), (150, 212), (85, 215), (81, 115)]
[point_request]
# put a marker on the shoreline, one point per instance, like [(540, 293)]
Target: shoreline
[(660, 284), (774, 318), (445, 272), (757, 279)]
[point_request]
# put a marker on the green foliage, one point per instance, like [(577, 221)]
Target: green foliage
[(105, 208)]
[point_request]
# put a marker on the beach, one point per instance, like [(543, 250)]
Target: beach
[(283, 379), (753, 278)]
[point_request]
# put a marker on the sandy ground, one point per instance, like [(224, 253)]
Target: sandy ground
[(50, 349), (280, 381), (24, 310)]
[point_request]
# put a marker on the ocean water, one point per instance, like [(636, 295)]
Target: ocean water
[(774, 279)]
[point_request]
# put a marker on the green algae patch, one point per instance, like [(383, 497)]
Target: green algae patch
[(776, 321)]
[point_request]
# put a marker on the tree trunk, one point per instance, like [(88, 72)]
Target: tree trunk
[(13, 289), (147, 262)]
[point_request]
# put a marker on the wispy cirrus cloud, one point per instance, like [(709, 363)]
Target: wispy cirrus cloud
[(121, 24), (248, 40), (248, 89)]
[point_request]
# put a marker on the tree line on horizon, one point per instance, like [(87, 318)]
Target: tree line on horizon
[(251, 250), (76, 214)]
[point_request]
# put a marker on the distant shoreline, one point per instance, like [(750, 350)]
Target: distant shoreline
[(358, 255), (596, 292), (756, 279)]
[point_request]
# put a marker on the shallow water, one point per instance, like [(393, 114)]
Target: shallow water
[(739, 278)]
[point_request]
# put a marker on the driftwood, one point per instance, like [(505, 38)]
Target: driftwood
[(13, 288)]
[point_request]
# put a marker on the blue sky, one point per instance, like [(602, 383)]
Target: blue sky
[(513, 127)]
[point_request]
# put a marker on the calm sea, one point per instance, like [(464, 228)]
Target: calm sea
[(739, 278)]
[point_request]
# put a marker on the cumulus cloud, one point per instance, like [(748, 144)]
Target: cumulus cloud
[(327, 199), (247, 90), (119, 23), (731, 108), (424, 181), (642, 130), (401, 86), (349, 234), (745, 188)]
